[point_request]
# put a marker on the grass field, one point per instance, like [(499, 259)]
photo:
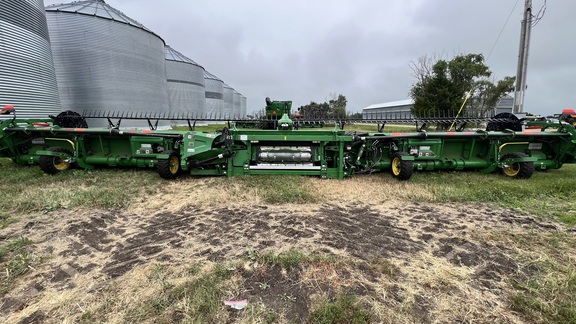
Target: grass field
[(546, 194), (538, 286)]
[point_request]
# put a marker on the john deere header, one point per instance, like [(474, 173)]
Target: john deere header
[(279, 143)]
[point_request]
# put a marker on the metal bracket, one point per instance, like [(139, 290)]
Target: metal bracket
[(111, 124), (153, 127), (421, 128), (191, 126), (461, 127)]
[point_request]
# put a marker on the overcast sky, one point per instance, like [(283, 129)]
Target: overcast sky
[(303, 50)]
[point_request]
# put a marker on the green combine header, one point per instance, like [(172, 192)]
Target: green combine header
[(275, 144)]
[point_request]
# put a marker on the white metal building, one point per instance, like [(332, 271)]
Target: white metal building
[(393, 109), (402, 108)]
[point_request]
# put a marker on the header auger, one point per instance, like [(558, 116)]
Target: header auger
[(276, 145)]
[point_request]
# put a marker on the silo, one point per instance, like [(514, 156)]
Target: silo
[(186, 85), (27, 78), (228, 101), (236, 104), (106, 61), (243, 108), (214, 95)]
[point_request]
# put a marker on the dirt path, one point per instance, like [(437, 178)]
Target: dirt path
[(86, 250)]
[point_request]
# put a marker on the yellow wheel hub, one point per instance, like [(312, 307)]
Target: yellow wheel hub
[(396, 166), (60, 164), (174, 164), (512, 170)]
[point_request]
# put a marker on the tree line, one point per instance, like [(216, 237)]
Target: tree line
[(444, 87), (333, 108)]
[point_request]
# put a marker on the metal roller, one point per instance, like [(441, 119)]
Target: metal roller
[(285, 154)]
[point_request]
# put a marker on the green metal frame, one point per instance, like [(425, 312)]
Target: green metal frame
[(286, 150)]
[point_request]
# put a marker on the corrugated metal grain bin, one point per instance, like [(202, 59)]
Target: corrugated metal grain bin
[(236, 111), (214, 95), (243, 108), (186, 86), (228, 101), (106, 61), (27, 78)]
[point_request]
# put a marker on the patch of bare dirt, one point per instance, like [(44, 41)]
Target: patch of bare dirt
[(282, 291), (88, 250)]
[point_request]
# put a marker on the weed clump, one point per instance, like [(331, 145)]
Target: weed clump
[(345, 309), (16, 261)]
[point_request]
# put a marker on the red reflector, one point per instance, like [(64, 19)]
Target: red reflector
[(274, 112), (39, 124)]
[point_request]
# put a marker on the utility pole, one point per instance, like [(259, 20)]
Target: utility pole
[(523, 58)]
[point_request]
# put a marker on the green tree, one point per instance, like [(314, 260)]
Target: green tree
[(338, 106), (314, 110), (487, 93), (334, 108), (442, 86), (357, 115)]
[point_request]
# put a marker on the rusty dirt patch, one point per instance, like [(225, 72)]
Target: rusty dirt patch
[(403, 254)]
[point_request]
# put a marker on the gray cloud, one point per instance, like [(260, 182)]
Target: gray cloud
[(303, 50)]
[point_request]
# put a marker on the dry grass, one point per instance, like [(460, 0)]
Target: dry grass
[(31, 190), (544, 290), (264, 190), (393, 290), (218, 221), (367, 189)]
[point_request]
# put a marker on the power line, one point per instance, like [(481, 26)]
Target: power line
[(539, 14), (503, 27)]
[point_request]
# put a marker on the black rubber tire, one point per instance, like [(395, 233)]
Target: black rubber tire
[(53, 164), (70, 119), (519, 170), (401, 169), (169, 168), (511, 122)]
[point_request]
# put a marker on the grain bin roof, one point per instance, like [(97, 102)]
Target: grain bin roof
[(97, 8), (173, 55), (208, 75)]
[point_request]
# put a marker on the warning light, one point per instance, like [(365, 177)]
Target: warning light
[(569, 112), (7, 109)]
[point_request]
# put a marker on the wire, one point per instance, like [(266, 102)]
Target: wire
[(539, 14), (502, 30)]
